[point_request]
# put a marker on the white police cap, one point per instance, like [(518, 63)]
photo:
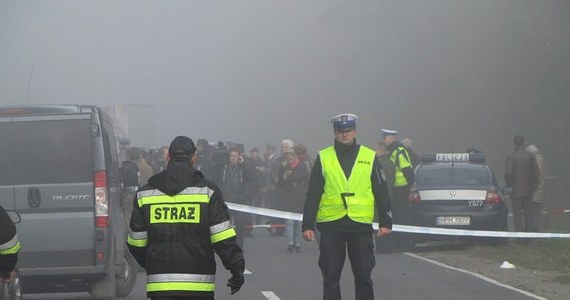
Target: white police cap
[(388, 132), (344, 122)]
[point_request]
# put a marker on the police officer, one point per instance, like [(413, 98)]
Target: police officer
[(344, 189), (179, 220), (404, 178), (9, 246)]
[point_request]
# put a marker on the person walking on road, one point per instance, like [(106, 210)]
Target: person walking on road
[(344, 190), (179, 221)]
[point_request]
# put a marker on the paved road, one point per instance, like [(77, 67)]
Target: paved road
[(277, 274)]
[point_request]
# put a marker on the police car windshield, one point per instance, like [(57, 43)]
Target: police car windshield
[(460, 175)]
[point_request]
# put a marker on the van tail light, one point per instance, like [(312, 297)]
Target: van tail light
[(414, 197), (101, 200), (493, 197)]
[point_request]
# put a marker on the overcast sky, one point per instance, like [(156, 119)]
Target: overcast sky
[(447, 73)]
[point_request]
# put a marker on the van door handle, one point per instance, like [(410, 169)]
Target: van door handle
[(34, 197)]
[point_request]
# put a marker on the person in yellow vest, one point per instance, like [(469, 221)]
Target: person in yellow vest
[(345, 188), (404, 178)]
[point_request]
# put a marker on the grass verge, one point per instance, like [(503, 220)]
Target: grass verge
[(545, 255)]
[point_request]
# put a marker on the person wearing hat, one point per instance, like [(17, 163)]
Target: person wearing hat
[(404, 178), (344, 190), (181, 219)]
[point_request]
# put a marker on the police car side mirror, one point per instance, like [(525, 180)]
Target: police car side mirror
[(15, 216)]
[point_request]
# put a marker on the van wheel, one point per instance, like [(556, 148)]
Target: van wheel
[(104, 289), (126, 275)]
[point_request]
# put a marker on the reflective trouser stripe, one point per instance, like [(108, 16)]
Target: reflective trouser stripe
[(223, 235), (180, 286), (10, 247)]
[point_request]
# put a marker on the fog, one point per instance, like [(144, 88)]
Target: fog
[(449, 74)]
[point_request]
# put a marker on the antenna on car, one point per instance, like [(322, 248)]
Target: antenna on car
[(30, 82)]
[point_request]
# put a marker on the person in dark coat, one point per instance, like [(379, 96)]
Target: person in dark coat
[(179, 221), (522, 173), (293, 184), (234, 184)]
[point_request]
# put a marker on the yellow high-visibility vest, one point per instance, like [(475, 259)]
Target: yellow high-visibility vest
[(358, 199), (400, 158)]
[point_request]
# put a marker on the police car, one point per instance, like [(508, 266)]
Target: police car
[(456, 190)]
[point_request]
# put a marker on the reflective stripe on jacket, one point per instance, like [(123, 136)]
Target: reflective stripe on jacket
[(342, 196), (10, 247)]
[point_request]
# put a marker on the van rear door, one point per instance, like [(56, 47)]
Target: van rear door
[(6, 168), (54, 190)]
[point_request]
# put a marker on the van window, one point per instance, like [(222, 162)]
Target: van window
[(107, 147), (53, 151), (6, 158), (108, 130)]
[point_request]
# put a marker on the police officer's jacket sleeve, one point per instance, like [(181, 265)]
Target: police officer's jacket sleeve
[(314, 194), (381, 196), (223, 235), (138, 236), (9, 244)]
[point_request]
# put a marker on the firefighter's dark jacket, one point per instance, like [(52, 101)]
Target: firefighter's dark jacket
[(347, 156), (179, 220), (9, 244)]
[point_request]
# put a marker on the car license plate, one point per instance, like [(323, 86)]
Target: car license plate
[(452, 220)]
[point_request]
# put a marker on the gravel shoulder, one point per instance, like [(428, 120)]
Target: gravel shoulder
[(540, 283)]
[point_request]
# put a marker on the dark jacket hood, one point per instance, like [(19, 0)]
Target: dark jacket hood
[(176, 177)]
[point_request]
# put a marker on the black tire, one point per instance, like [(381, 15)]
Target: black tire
[(126, 275), (104, 289)]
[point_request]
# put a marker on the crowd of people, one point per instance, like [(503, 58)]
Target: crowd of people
[(276, 178), (339, 194)]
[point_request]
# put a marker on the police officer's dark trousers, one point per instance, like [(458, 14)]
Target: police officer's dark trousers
[(361, 254), (401, 216)]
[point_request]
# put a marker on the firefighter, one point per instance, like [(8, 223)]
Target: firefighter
[(179, 220), (344, 189), (9, 246)]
